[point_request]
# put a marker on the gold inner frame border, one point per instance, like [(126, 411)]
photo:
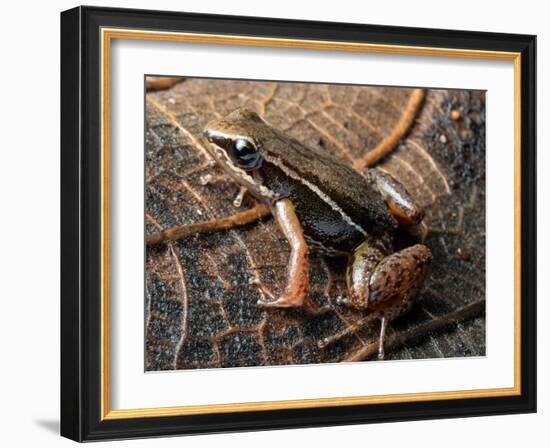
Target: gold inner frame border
[(107, 35)]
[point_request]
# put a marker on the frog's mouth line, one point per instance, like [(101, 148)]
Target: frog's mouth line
[(242, 177)]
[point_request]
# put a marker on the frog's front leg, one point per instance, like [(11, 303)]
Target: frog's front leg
[(385, 285), (296, 292), (238, 201)]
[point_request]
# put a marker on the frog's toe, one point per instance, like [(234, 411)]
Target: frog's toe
[(286, 301)]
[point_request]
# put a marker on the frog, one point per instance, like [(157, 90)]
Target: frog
[(320, 203)]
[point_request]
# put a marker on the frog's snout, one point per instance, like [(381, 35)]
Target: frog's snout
[(207, 133), (214, 138)]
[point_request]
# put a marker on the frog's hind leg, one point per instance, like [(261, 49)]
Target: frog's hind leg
[(399, 201), (385, 285)]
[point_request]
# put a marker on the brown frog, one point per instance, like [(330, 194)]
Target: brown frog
[(320, 202)]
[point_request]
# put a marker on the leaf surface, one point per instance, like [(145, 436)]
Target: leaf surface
[(201, 298)]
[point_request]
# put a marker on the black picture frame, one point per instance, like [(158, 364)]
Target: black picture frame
[(81, 224)]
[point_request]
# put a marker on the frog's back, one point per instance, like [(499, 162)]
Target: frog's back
[(337, 184)]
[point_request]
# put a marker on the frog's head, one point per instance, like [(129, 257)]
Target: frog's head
[(234, 139), (236, 144)]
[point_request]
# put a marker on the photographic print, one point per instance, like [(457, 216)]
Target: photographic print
[(313, 201), (299, 223)]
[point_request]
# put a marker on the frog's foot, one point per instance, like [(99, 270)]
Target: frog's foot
[(287, 300), (271, 301), (305, 303), (283, 302), (296, 300)]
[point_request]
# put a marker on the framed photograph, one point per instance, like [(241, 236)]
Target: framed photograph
[(275, 224)]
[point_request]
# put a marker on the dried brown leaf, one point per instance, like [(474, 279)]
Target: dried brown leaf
[(201, 297)]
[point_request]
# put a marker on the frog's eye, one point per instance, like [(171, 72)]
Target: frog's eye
[(245, 154)]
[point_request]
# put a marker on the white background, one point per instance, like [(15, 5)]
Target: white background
[(133, 388), (29, 122)]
